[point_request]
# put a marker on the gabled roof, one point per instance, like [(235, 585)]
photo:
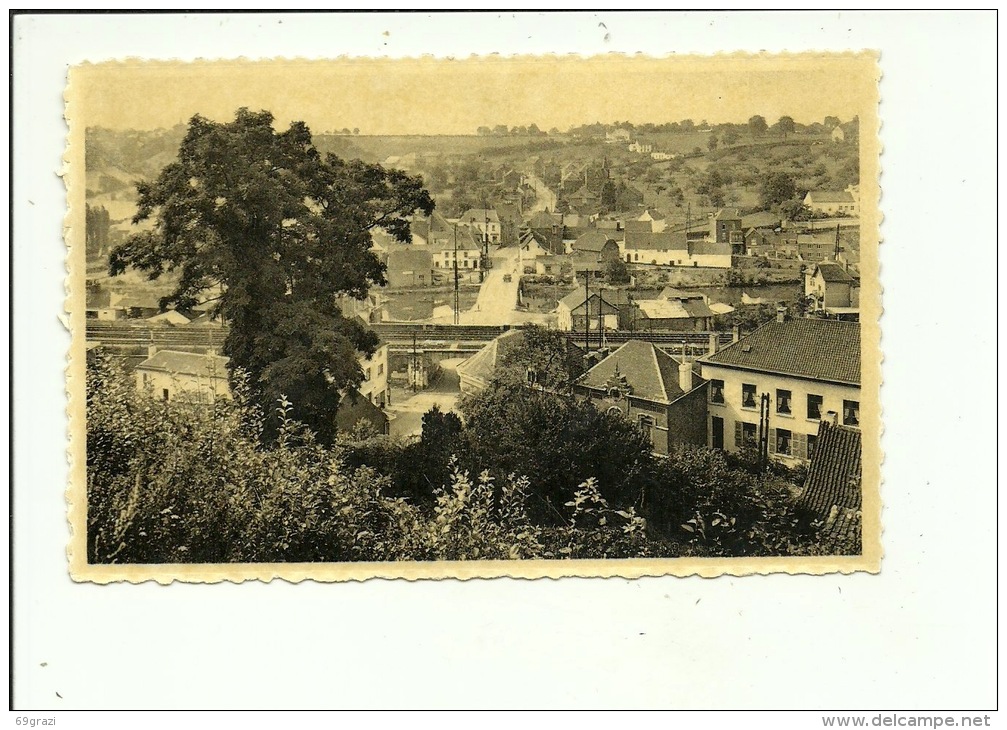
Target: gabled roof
[(653, 213), (186, 363), (830, 196), (593, 241), (834, 273), (545, 220), (484, 363), (648, 370), (834, 477), (818, 349), (171, 317), (584, 193), (468, 239), (575, 300)]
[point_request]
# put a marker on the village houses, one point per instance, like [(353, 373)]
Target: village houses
[(780, 382), (663, 396), (834, 290), (833, 202)]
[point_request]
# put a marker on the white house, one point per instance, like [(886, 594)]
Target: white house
[(485, 221), (832, 202), (194, 377), (778, 383)]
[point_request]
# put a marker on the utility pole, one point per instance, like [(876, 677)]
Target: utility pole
[(836, 254), (456, 273), (764, 429), (587, 310)]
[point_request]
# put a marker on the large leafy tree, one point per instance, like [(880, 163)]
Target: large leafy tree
[(275, 231)]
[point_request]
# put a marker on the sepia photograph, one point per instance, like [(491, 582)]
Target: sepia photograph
[(503, 360), (416, 312)]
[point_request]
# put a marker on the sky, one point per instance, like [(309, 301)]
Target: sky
[(429, 96)]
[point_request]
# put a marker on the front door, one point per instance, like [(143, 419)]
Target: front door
[(718, 432)]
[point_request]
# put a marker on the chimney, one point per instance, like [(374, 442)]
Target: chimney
[(831, 418), (714, 343), (151, 350), (685, 376), (736, 333), (781, 314)]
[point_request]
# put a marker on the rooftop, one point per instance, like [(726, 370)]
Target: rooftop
[(835, 273), (650, 372), (835, 474), (817, 349), (594, 241), (186, 363)]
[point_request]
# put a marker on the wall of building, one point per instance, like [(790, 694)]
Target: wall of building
[(375, 385), (354, 408), (797, 422), (687, 422), (177, 386)]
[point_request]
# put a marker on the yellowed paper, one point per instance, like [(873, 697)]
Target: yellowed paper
[(451, 111)]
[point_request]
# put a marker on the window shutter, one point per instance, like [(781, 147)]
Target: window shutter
[(772, 441), (800, 446), (738, 438)]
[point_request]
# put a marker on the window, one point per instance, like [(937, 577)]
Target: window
[(716, 391), (748, 434), (645, 424), (381, 368), (783, 402), (748, 395), (851, 413), (783, 439), (812, 438), (367, 374), (814, 407), (164, 394)]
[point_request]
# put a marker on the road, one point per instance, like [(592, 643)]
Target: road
[(407, 408), (545, 199)]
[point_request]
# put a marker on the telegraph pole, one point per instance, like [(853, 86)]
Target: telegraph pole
[(836, 254), (456, 273)]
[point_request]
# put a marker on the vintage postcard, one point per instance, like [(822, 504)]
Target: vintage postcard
[(536, 316)]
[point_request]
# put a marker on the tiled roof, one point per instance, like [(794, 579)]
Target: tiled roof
[(818, 349), (545, 220), (830, 196), (835, 473), (835, 273), (186, 363), (483, 364), (697, 308), (651, 372), (593, 241)]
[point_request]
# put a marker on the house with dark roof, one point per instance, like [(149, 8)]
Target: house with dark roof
[(772, 389), (598, 243), (665, 397), (476, 372), (835, 291), (834, 475), (548, 228)]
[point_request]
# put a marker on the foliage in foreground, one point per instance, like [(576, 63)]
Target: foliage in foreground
[(187, 482)]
